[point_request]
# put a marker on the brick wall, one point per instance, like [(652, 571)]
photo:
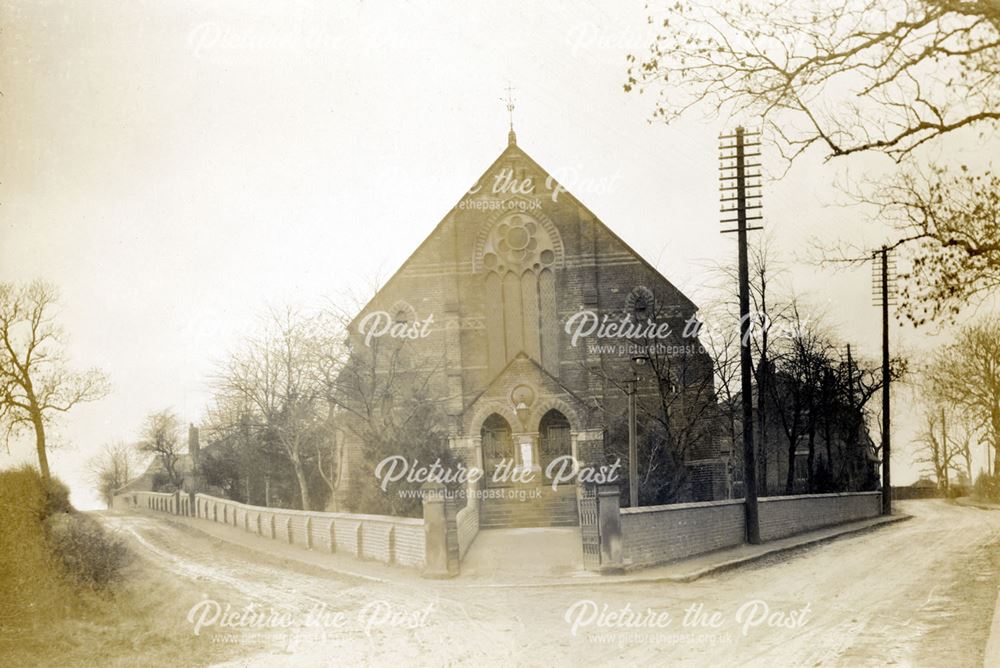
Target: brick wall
[(911, 492), (657, 534), (782, 516), (585, 266)]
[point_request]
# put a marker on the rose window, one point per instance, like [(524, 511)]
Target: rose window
[(516, 243), (517, 240)]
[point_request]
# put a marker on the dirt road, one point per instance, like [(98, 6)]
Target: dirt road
[(918, 593)]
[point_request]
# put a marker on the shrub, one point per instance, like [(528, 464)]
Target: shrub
[(163, 483), (400, 498), (987, 487), (31, 586), (89, 554), (56, 497)]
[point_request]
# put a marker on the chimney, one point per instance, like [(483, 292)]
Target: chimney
[(194, 449)]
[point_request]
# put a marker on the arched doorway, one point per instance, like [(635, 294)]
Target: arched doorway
[(497, 444), (553, 438)]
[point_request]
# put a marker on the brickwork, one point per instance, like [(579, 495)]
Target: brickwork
[(500, 275), (782, 516), (663, 533), (657, 534)]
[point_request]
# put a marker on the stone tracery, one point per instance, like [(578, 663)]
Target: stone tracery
[(516, 244), (517, 253)]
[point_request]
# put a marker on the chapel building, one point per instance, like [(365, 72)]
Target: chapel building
[(500, 279)]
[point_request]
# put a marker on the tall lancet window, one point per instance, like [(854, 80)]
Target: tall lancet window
[(517, 255)]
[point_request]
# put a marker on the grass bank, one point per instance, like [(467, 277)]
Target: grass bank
[(71, 594)]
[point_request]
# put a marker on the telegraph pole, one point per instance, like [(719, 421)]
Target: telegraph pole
[(884, 292), (633, 450), (740, 193)]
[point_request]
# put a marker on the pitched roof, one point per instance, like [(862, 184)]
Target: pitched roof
[(513, 149)]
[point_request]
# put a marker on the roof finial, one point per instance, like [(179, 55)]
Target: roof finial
[(509, 102)]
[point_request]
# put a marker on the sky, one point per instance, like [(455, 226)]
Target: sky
[(176, 167)]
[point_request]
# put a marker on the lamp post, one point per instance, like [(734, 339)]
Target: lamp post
[(632, 388)]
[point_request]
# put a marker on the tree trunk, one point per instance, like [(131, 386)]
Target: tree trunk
[(811, 457), (43, 459), (790, 478), (300, 475), (827, 438), (170, 464), (996, 440), (762, 416)]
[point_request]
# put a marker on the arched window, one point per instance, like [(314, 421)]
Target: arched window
[(641, 304), (402, 312), (517, 254), (553, 438), (497, 445)]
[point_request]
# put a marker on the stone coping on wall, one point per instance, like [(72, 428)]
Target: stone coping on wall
[(825, 495), (729, 502), (359, 517), (681, 506)]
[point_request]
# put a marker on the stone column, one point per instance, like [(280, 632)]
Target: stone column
[(441, 553), (609, 528)]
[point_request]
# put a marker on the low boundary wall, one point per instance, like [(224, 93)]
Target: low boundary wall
[(782, 516), (627, 538), (467, 520), (390, 540), (657, 534)]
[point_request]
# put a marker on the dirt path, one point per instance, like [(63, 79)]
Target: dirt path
[(918, 593)]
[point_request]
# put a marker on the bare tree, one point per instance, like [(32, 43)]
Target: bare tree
[(161, 437), (723, 345), (36, 383), (961, 438), (817, 396), (677, 411), (242, 458), (934, 451), (862, 380), (966, 375), (274, 377), (112, 468), (948, 221), (388, 397), (329, 360), (797, 392), (879, 75), (851, 76), (767, 311)]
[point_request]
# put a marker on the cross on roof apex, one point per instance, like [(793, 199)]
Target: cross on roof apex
[(509, 103)]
